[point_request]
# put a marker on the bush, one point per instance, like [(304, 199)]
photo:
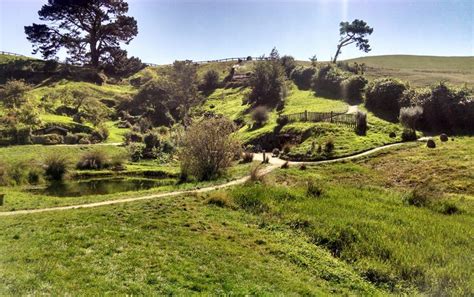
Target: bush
[(84, 141), (71, 139), (327, 81), (35, 175), (352, 88), (282, 120), (430, 143), (393, 135), (47, 139), (135, 150), (260, 116), (247, 157), (151, 140), (423, 195), (361, 123), (56, 167), (329, 146), (268, 84), (92, 160), (385, 95), (302, 77), (408, 135), (443, 137), (18, 173), (288, 63), (133, 136), (101, 133), (313, 189), (208, 148), (210, 81), (285, 165), (303, 167), (409, 116), (276, 153)]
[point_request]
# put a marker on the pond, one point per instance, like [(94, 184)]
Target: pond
[(102, 186)]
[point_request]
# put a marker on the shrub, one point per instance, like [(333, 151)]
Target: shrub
[(92, 160), (286, 148), (409, 116), (385, 95), (210, 81), (302, 77), (260, 116), (247, 157), (285, 165), (276, 152), (303, 167), (220, 199), (282, 120), (327, 81), (18, 173), (449, 208), (56, 167), (430, 143), (393, 135), (71, 139), (408, 135), (352, 88), (35, 175), (84, 140), (424, 194), (443, 137), (361, 123), (329, 146), (151, 140), (255, 175), (47, 139), (313, 189), (135, 150), (288, 63), (208, 148), (267, 84), (133, 136), (101, 133)]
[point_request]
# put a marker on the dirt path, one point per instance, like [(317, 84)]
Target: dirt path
[(274, 164)]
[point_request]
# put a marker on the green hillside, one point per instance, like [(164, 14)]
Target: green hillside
[(421, 70)]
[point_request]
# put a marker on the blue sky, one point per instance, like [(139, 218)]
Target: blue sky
[(210, 29)]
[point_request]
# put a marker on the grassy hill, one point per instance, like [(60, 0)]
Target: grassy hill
[(421, 70)]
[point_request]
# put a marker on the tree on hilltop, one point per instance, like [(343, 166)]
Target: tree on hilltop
[(354, 32), (90, 30)]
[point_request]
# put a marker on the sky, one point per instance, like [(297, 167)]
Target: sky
[(210, 29)]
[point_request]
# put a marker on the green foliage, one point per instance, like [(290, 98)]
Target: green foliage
[(47, 139), (208, 148), (409, 135), (355, 32), (14, 93), (93, 160), (288, 63), (268, 84), (210, 81), (56, 167), (409, 116), (302, 76), (327, 81), (353, 88), (385, 97), (361, 123)]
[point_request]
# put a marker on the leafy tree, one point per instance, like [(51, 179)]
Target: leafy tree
[(184, 92), (90, 30), (288, 63), (14, 93), (211, 80), (354, 32), (313, 60), (268, 84)]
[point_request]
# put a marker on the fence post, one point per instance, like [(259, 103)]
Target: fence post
[(331, 117), (305, 115)]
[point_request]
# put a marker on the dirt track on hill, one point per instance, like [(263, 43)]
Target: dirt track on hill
[(274, 164)]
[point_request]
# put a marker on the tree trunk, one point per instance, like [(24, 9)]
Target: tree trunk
[(337, 52)]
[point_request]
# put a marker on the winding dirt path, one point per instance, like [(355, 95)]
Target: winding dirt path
[(274, 164)]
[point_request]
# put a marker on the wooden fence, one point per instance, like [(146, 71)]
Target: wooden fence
[(11, 54), (330, 117)]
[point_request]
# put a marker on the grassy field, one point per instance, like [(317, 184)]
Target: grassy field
[(421, 70), (167, 246), (358, 212)]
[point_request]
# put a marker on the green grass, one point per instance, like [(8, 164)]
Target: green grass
[(361, 216), (346, 141), (168, 246), (116, 134), (421, 70)]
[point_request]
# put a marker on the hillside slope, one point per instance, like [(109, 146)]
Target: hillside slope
[(421, 70)]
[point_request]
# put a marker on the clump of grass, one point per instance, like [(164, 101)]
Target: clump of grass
[(220, 199), (313, 189), (255, 175), (285, 165), (247, 157), (56, 167), (449, 208), (423, 195), (95, 159)]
